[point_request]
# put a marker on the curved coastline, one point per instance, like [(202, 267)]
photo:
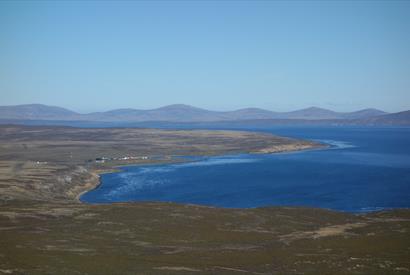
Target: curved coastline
[(323, 145), (96, 174), (89, 186)]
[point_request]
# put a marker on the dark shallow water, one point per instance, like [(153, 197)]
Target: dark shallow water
[(366, 169)]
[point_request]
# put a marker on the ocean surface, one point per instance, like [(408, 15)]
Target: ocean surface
[(365, 169)]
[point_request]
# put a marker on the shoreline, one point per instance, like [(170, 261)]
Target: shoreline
[(89, 186), (96, 174)]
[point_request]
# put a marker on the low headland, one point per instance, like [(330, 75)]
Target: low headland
[(45, 229)]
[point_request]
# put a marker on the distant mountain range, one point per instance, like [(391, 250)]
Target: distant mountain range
[(177, 112), (180, 113)]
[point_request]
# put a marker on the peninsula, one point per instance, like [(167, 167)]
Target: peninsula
[(59, 163)]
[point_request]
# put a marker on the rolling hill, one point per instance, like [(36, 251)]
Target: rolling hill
[(400, 118), (179, 113), (36, 111)]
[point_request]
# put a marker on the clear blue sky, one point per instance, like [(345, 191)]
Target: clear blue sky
[(221, 55)]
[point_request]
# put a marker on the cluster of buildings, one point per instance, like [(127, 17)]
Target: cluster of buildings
[(104, 159)]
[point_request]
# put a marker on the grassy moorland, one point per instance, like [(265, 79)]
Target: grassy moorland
[(44, 229)]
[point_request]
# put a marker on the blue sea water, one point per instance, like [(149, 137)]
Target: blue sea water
[(365, 169)]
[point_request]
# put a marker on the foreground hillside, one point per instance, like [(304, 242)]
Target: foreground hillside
[(160, 238), (46, 230)]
